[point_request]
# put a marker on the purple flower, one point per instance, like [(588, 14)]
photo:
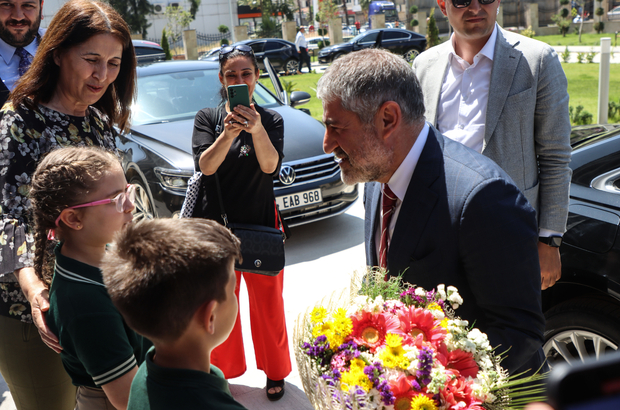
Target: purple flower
[(425, 363), (374, 373)]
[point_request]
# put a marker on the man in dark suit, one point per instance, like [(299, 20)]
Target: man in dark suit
[(448, 215)]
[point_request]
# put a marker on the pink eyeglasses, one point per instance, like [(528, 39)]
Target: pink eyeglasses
[(120, 200)]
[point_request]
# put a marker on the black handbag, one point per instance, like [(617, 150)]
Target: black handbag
[(262, 247)]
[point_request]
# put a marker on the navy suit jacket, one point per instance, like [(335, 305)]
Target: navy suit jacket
[(464, 223)]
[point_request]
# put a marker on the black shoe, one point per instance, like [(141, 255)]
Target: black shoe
[(274, 384)]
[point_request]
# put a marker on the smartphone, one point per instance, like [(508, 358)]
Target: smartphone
[(591, 385), (238, 95)]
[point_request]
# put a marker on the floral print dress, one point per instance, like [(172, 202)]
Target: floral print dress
[(25, 137)]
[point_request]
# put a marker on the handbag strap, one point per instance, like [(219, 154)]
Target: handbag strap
[(220, 126)]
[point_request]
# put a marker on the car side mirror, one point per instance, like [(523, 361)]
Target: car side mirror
[(299, 98)]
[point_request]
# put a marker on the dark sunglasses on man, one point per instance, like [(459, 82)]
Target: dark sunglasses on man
[(461, 4), (224, 51)]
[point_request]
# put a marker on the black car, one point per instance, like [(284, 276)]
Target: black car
[(398, 41), (281, 53), (157, 151), (148, 52), (583, 308)]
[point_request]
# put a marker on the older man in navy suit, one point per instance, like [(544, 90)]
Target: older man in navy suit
[(436, 211)]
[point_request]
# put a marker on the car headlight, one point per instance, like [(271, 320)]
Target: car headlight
[(173, 179)]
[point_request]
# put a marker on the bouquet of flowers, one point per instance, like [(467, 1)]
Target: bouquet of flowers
[(397, 346)]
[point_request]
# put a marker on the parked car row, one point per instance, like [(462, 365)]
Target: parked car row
[(281, 53), (398, 41)]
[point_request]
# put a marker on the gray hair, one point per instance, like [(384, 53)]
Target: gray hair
[(365, 79)]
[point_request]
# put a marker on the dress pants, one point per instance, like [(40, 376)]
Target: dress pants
[(34, 372), (268, 330), (304, 57)]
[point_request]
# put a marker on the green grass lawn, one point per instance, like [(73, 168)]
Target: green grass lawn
[(572, 39), (302, 82), (582, 87)]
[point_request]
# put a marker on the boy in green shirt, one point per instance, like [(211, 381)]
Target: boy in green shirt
[(173, 281)]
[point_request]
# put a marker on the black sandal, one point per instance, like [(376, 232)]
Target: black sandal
[(274, 384)]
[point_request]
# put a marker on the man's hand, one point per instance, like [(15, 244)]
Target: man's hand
[(550, 265), (37, 294)]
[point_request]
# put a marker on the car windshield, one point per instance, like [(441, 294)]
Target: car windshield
[(179, 95), (354, 39)]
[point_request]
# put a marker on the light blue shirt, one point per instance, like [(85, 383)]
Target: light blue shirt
[(9, 63)]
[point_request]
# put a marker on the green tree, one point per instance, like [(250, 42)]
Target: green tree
[(134, 12), (193, 8), (327, 11), (432, 32), (178, 19), (165, 45)]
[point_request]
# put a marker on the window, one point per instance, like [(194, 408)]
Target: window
[(394, 35)]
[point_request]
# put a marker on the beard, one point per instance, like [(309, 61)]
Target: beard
[(19, 40), (369, 162)]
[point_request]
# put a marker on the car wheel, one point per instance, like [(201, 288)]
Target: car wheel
[(411, 54), (581, 328), (291, 65), (144, 204)]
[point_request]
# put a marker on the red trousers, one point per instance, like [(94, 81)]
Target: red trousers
[(268, 330)]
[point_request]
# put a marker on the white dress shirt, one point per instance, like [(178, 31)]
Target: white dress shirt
[(399, 182), (10, 61), (300, 41), (462, 110)]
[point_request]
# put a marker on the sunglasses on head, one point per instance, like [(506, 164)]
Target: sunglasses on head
[(461, 4), (224, 51)]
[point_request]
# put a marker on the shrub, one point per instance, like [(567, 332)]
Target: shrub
[(578, 116), (224, 42), (432, 32), (322, 44), (222, 29), (528, 32), (599, 26), (413, 9), (165, 45), (562, 23), (564, 13), (414, 23), (566, 55), (599, 11), (590, 56), (580, 57), (564, 2), (613, 111)]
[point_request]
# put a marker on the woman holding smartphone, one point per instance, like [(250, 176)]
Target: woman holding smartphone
[(244, 145)]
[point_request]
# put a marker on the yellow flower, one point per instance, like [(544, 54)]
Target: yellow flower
[(342, 323), (421, 402), (394, 355), (17, 133), (318, 314), (355, 376), (444, 323)]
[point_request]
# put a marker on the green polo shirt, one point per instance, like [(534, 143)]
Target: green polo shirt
[(164, 388), (98, 347)]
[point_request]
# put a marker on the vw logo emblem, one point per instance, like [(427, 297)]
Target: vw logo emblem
[(287, 175)]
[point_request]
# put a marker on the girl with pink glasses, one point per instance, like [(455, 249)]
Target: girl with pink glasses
[(81, 198)]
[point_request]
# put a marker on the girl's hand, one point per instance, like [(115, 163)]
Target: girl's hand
[(249, 118)]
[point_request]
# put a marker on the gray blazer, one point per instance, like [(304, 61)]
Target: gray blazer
[(527, 123)]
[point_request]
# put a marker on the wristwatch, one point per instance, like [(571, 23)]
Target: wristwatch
[(553, 241)]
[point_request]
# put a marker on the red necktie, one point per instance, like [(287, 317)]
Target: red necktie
[(388, 204)]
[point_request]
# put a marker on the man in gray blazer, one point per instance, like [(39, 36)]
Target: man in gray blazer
[(504, 95), (455, 218)]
